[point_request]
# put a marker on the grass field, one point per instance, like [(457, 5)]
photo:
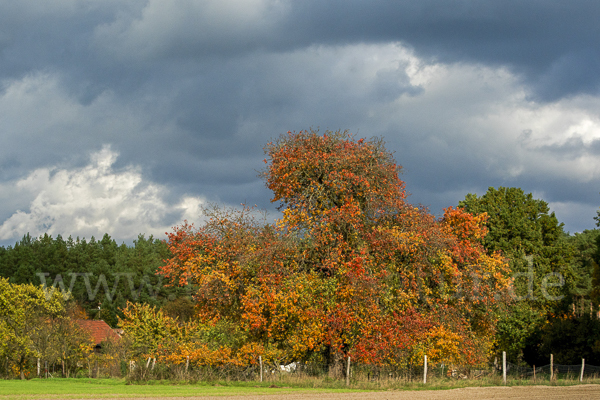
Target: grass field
[(82, 388), (115, 388)]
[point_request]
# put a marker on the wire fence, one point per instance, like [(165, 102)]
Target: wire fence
[(555, 370), (348, 371)]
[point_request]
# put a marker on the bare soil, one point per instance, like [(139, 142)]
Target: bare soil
[(472, 393)]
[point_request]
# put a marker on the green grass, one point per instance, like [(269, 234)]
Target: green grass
[(81, 388), (59, 388)]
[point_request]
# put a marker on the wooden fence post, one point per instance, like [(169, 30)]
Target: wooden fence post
[(425, 370), (582, 367), (38, 367), (552, 365), (261, 368), (348, 372), (187, 363), (504, 367)]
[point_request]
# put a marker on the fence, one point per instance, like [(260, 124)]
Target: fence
[(556, 371), (346, 372)]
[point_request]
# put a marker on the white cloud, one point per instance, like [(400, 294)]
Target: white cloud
[(484, 114), (94, 200)]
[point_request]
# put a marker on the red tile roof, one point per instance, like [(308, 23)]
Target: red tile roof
[(99, 330)]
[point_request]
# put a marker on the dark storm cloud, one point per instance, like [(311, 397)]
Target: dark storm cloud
[(553, 44), (573, 148), (190, 91)]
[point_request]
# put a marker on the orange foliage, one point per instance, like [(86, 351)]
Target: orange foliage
[(350, 269)]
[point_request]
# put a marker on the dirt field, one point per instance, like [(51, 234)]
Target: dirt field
[(519, 392)]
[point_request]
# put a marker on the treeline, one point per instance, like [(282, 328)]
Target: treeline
[(351, 270), (556, 286), (101, 275)]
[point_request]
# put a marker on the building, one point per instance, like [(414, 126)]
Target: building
[(99, 331)]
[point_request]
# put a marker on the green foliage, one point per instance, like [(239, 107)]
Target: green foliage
[(533, 240), (516, 326), (585, 248), (148, 328), (568, 337), (546, 278), (24, 313), (101, 275)]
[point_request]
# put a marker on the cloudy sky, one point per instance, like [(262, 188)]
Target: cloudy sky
[(126, 116)]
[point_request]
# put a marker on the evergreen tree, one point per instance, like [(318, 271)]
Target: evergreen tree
[(101, 275), (540, 257)]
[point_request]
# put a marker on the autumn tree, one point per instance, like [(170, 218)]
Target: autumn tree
[(350, 269), (151, 333), (24, 311), (148, 328)]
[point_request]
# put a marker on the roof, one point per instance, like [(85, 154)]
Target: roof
[(99, 330)]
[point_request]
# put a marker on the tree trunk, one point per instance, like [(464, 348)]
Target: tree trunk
[(335, 364), (21, 366)]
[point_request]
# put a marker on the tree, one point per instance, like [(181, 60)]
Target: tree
[(540, 258), (24, 310), (585, 248), (595, 263), (148, 329), (569, 338), (151, 333), (68, 343), (102, 275), (350, 269)]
